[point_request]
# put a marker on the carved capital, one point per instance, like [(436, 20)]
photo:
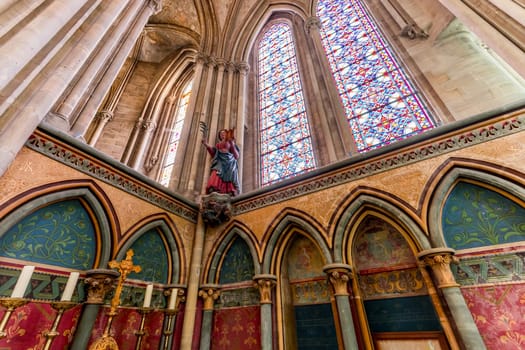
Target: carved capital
[(155, 5), (339, 275), (104, 116), (209, 293), (175, 288), (265, 284), (99, 282), (243, 68), (312, 23), (439, 260)]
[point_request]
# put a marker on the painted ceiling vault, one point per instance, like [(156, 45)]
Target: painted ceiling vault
[(207, 26)]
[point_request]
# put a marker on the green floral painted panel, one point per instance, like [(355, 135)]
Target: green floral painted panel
[(238, 264), (59, 234), (474, 216), (151, 255)]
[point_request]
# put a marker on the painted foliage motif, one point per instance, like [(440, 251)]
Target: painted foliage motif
[(238, 263), (151, 256), (498, 312), (474, 216), (237, 328), (60, 234)]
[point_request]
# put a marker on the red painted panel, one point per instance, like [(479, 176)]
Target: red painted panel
[(498, 312), (26, 327), (237, 328)]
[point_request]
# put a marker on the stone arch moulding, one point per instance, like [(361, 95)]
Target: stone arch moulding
[(343, 229), (447, 183), (174, 266), (90, 193), (211, 272), (280, 233)]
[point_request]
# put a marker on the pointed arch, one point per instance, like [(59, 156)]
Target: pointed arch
[(167, 234), (439, 195), (280, 233), (92, 198), (366, 204), (236, 231)]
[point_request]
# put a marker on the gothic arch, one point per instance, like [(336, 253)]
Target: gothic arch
[(344, 232), (211, 275), (447, 183), (172, 248), (105, 223), (281, 233)]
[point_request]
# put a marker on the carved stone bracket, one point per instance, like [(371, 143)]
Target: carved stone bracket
[(209, 293), (439, 260), (99, 282), (339, 275), (216, 208), (265, 284)]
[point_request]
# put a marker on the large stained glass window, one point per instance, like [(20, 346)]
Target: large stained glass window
[(380, 103), (173, 142), (286, 145)]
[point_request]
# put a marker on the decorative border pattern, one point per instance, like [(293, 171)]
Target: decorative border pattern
[(91, 166), (490, 269), (441, 144)]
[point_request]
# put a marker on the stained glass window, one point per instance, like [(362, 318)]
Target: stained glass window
[(286, 145), (380, 103), (173, 143)]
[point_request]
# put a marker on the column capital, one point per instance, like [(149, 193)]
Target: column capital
[(105, 116), (265, 283), (439, 260), (99, 282), (312, 23), (243, 67), (209, 293), (339, 275)]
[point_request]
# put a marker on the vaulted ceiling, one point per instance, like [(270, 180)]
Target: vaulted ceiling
[(214, 27)]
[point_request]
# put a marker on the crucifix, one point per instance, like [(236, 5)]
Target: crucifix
[(125, 267)]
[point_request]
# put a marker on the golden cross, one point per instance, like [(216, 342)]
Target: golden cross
[(125, 267)]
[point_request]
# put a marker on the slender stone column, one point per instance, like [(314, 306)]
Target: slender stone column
[(103, 117), (193, 286), (244, 69), (147, 127), (265, 284), (439, 260), (333, 105), (339, 275), (209, 293), (99, 282)]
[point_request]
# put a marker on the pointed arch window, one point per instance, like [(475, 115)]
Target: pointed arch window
[(173, 142), (285, 139), (380, 103)]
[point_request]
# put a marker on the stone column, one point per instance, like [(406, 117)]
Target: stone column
[(439, 260), (339, 275), (193, 286), (265, 284), (99, 282), (102, 118), (333, 106), (209, 293), (147, 127), (244, 69)]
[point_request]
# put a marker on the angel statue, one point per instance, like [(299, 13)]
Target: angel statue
[(224, 173)]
